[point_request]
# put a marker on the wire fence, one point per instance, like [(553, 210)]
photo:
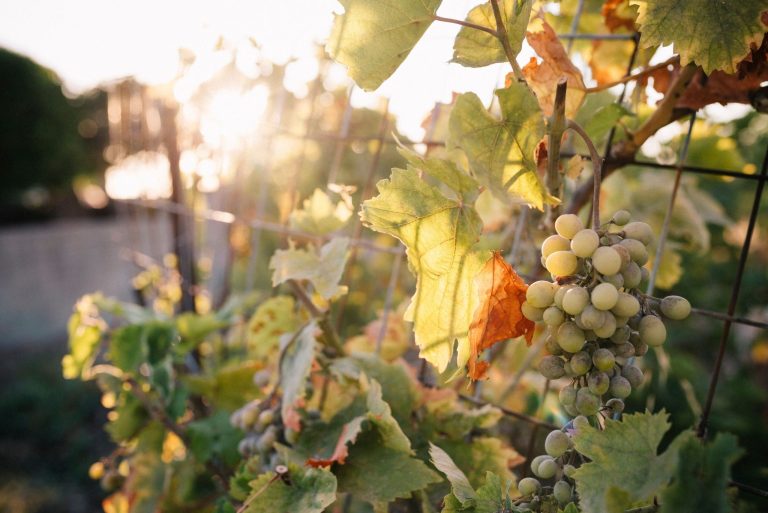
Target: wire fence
[(186, 216)]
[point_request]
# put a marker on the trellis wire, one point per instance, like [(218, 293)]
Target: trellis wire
[(342, 138)]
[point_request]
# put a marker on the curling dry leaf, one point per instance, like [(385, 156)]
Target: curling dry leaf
[(499, 315)]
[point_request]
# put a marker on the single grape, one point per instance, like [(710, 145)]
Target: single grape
[(551, 367), (633, 374), (535, 462), (604, 296), (580, 363), (554, 243), (567, 395), (267, 440), (528, 486), (587, 403), (584, 243), (606, 260), (621, 217), (652, 331), (640, 349), (557, 443), (553, 316), (266, 418), (675, 307), (621, 335), (570, 409), (531, 312), (632, 276), (608, 328), (616, 405), (575, 299), (625, 350), (603, 359), (568, 225), (540, 294), (637, 251), (562, 263), (645, 274), (560, 294), (547, 468), (640, 231), (617, 280), (249, 417), (623, 252), (591, 317), (626, 305), (568, 470), (570, 337), (562, 492), (598, 382), (580, 422), (620, 387)]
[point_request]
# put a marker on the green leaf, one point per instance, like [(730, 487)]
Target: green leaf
[(460, 185), (275, 317), (323, 269), (490, 498), (702, 475), (483, 454), (501, 151), (475, 48), (320, 215), (309, 490), (439, 233), (714, 35), (132, 345), (611, 483), (602, 120), (130, 416), (84, 328), (214, 436), (228, 387), (373, 37), (460, 486), (194, 328), (295, 366)]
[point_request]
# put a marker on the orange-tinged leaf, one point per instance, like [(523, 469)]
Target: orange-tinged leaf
[(543, 76), (348, 435), (619, 14), (499, 316)]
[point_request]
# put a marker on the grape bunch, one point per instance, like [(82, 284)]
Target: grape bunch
[(263, 426), (597, 318)]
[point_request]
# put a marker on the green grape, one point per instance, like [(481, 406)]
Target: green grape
[(608, 327), (620, 387), (557, 443), (617, 280), (560, 294), (652, 331), (624, 350), (632, 276), (621, 335), (587, 403), (551, 345), (639, 231), (675, 307), (584, 243), (603, 359), (551, 367), (570, 409), (626, 305), (604, 296), (568, 470), (621, 322), (606, 260), (623, 252), (528, 486), (267, 440), (291, 436), (531, 312), (265, 418), (616, 405), (540, 294), (568, 225), (580, 422), (570, 337), (637, 251), (567, 395), (580, 363), (645, 274), (547, 468), (562, 263), (535, 462), (621, 217), (248, 417), (598, 382), (592, 317), (575, 299), (562, 492), (633, 374), (553, 316), (554, 243)]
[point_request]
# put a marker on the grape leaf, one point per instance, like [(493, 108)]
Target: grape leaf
[(618, 14), (194, 328), (323, 269), (543, 77), (702, 476), (439, 233), (132, 345), (714, 35), (85, 328), (475, 48), (295, 365), (214, 436), (460, 486), (610, 484), (449, 417), (273, 318), (490, 498), (499, 315), (605, 118), (310, 490), (229, 386), (501, 152), (319, 215), (483, 454), (460, 185), (373, 37)]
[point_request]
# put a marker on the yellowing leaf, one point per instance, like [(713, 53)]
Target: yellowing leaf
[(373, 37), (84, 328), (543, 77), (475, 48), (274, 317), (439, 233), (574, 167), (618, 14), (310, 490), (323, 269), (295, 366), (714, 35), (320, 215), (499, 316), (501, 151)]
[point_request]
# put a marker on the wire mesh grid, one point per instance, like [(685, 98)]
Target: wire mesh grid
[(186, 217)]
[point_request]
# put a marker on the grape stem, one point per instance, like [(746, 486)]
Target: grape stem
[(556, 130), (597, 164)]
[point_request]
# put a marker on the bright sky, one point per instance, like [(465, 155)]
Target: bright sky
[(88, 42)]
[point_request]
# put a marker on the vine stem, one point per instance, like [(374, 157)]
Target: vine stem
[(597, 164), (636, 76), (554, 179), (330, 336), (467, 24), (501, 34)]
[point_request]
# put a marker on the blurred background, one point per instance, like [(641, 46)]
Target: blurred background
[(117, 121)]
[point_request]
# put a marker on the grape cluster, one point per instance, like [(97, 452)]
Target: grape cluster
[(597, 318), (263, 426)]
